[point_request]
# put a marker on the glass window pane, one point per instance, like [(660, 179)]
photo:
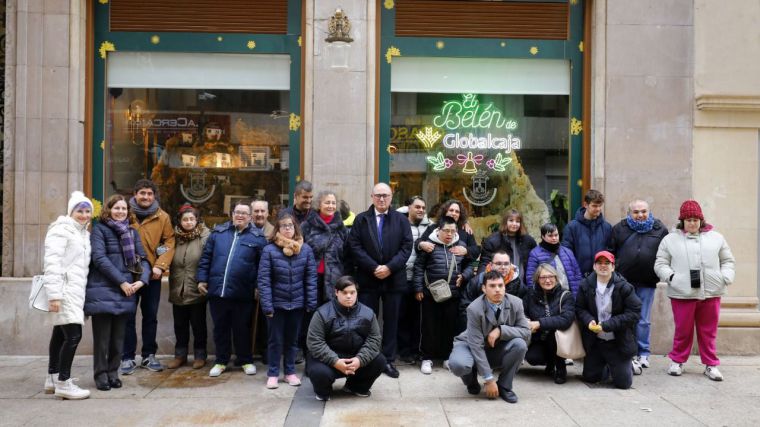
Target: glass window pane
[(491, 152)]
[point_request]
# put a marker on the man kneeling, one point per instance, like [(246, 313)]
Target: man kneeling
[(344, 340), (496, 338)]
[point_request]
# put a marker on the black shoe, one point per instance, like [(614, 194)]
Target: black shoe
[(391, 371), (299, 357), (560, 375), (474, 388), (407, 360), (549, 370), (114, 382), (102, 386), (508, 396)]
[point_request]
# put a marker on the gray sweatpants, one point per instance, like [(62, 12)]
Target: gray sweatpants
[(506, 356)]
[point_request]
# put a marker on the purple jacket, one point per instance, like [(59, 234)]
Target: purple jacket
[(540, 255)]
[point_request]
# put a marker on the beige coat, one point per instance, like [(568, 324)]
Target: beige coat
[(183, 287), (680, 252)]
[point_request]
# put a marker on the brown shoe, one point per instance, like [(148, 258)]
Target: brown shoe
[(176, 362), (199, 363)]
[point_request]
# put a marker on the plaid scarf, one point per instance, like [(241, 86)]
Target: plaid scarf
[(124, 230)]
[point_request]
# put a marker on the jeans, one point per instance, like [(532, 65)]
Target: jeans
[(232, 324), (283, 332), (186, 317), (148, 297), (63, 346), (646, 295)]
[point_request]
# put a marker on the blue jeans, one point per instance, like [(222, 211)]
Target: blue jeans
[(284, 327), (646, 295), (148, 298)]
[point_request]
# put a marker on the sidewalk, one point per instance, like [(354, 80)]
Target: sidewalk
[(189, 397)]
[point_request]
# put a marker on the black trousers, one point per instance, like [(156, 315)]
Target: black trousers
[(187, 317), (323, 376), (107, 342), (63, 346), (232, 324), (440, 324), (606, 354), (390, 314), (409, 325), (544, 352)]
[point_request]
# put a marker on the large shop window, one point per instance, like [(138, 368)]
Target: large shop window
[(207, 128), (492, 133)]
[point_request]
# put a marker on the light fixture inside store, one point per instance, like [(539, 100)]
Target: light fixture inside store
[(338, 39)]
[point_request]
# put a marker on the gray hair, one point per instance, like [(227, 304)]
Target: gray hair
[(303, 186), (321, 196), (545, 266)]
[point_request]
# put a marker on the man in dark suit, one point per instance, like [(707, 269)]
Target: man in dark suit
[(379, 244)]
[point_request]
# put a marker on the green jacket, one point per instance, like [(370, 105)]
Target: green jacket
[(183, 287)]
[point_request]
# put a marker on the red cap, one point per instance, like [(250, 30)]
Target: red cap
[(604, 254)]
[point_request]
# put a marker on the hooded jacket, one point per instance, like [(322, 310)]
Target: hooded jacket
[(437, 263), (183, 287), (635, 253), (708, 251), (417, 231), (67, 263), (586, 237), (327, 242)]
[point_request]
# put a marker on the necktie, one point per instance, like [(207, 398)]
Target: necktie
[(380, 229), (498, 314)]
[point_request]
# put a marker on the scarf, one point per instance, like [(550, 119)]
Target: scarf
[(123, 229), (289, 246), (640, 226), (327, 219), (507, 277), (142, 213), (184, 236), (551, 247)]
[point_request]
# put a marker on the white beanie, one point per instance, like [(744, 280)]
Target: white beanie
[(77, 197)]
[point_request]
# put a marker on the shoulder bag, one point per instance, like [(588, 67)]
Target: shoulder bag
[(38, 297), (440, 288), (569, 343)]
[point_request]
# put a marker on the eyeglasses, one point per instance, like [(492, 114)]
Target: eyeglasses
[(240, 213), (502, 264), (381, 196), (447, 230), (287, 226), (546, 277)]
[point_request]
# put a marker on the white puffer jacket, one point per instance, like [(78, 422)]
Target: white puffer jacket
[(67, 262), (707, 251)]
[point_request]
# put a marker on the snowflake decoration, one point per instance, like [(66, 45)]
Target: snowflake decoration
[(155, 39), (219, 38), (105, 47), (576, 126), (97, 206), (388, 4), (429, 137), (391, 52), (251, 44), (103, 1), (103, 144), (300, 41), (533, 50), (580, 46), (440, 44), (295, 122)]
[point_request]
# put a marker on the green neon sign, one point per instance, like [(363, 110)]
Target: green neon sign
[(470, 114)]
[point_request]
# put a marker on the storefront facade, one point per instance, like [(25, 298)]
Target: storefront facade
[(499, 104)]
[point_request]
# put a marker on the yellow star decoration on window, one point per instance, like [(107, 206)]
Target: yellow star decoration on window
[(300, 41), (580, 46), (155, 39), (295, 122), (391, 52), (97, 206), (220, 38), (533, 50), (251, 44), (388, 4), (440, 44), (105, 47), (576, 126)]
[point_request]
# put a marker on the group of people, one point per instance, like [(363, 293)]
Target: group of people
[(321, 279)]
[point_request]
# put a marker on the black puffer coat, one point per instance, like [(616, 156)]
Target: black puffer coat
[(536, 301), (437, 264), (497, 241), (327, 241), (635, 253)]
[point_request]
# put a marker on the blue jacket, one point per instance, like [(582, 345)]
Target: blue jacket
[(585, 238), (108, 271), (539, 255), (230, 261), (287, 282)]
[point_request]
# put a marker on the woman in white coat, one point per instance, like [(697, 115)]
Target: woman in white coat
[(67, 260), (697, 264)]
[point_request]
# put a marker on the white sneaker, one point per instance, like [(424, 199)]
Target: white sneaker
[(446, 365), (217, 370), (249, 369), (68, 390), (713, 373), (644, 361), (676, 369), (636, 366), (569, 362), (50, 380), (426, 367)]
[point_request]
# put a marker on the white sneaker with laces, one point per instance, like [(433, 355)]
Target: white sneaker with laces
[(50, 380), (713, 373), (68, 390), (426, 367), (675, 369), (644, 361), (636, 366), (217, 370), (249, 369)]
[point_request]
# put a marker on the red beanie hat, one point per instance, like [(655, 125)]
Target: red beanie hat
[(691, 209)]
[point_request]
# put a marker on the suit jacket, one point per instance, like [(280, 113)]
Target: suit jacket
[(367, 254), (481, 320)]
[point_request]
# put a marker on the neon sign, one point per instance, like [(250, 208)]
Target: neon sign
[(488, 142), (429, 137), (471, 115)]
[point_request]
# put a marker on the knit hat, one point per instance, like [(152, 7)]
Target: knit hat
[(187, 207), (691, 209), (76, 199), (606, 255)]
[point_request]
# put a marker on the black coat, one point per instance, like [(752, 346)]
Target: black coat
[(535, 302), (626, 311), (635, 253), (473, 250), (497, 241), (436, 265), (366, 254), (327, 242)]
